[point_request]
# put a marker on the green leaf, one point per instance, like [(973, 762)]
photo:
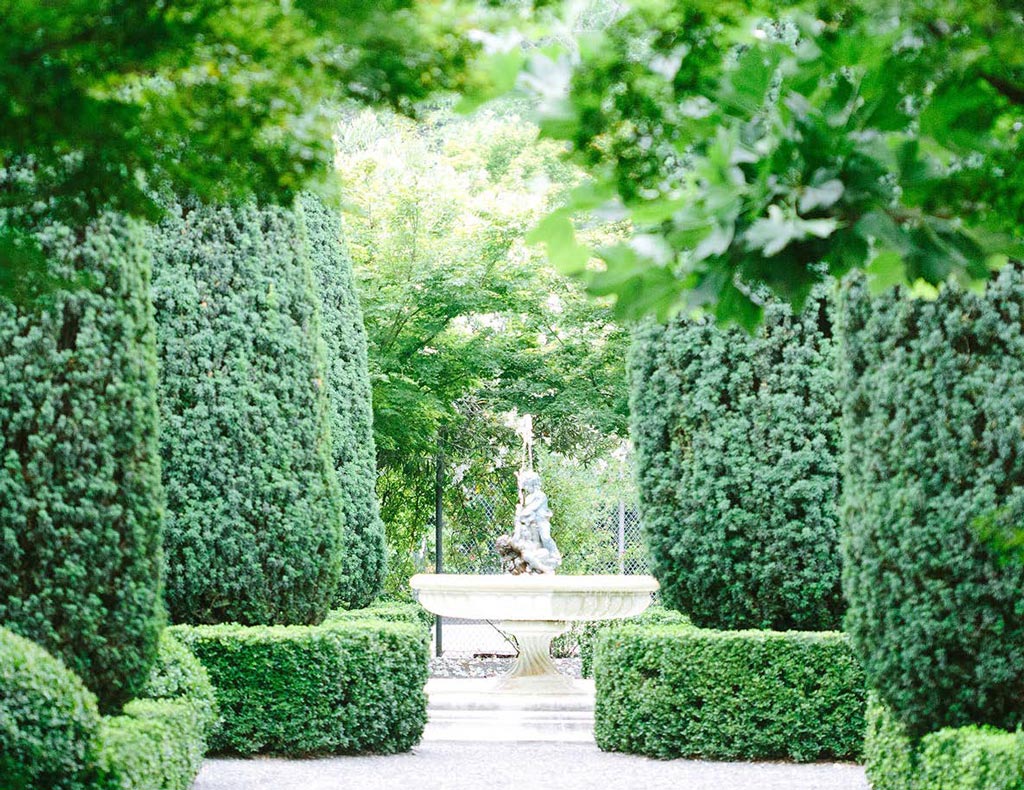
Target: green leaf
[(773, 233), (558, 236), (885, 271)]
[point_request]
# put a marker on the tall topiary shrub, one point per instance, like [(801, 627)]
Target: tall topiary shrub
[(254, 523), (738, 468), (933, 419), (348, 387), (80, 496)]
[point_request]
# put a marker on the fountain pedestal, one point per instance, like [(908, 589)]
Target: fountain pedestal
[(534, 609)]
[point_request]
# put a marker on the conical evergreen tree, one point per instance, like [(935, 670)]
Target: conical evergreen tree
[(933, 398), (255, 518), (738, 452), (348, 387), (80, 495)]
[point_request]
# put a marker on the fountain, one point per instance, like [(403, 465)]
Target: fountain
[(529, 601)]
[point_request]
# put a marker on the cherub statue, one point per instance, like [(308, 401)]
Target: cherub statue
[(532, 535)]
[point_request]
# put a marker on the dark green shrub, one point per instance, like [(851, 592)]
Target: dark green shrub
[(728, 695), (80, 496), (964, 758), (48, 720), (587, 633), (348, 387), (345, 687), (160, 740), (254, 523), (933, 393), (738, 467), (393, 612)]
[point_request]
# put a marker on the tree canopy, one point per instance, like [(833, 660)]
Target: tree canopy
[(103, 103), (754, 144)]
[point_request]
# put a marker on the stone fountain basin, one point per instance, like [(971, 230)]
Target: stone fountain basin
[(534, 609), (536, 597)]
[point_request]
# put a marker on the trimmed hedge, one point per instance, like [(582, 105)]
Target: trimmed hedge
[(964, 758), (160, 740), (393, 612), (254, 523), (933, 401), (81, 502), (728, 695), (587, 633), (348, 388), (338, 688), (48, 720), (738, 453)]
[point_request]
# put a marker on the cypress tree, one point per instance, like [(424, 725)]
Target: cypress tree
[(738, 467), (933, 398), (255, 519), (80, 496), (348, 388)]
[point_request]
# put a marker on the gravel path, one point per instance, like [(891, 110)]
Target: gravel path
[(552, 766)]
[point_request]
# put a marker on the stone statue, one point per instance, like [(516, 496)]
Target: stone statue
[(531, 548)]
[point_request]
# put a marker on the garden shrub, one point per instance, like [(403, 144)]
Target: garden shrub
[(728, 695), (161, 738), (933, 398), (254, 522), (48, 720), (587, 632), (81, 502), (737, 442), (343, 687), (348, 388), (963, 758), (392, 611)]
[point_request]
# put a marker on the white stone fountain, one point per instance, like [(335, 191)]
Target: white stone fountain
[(529, 601)]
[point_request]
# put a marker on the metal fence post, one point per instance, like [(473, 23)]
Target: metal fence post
[(622, 536), (438, 529)]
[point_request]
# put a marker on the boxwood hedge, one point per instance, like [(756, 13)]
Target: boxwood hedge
[(962, 758), (341, 687), (48, 720), (728, 695)]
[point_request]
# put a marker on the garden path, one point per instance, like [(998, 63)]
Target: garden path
[(501, 766)]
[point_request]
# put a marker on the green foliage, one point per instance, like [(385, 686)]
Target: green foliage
[(749, 146), (392, 612), (341, 687), (464, 320), (160, 740), (737, 440), (933, 393), (254, 527), (728, 695), (348, 389), (154, 744), (105, 100), (48, 720), (965, 758), (81, 503), (588, 633)]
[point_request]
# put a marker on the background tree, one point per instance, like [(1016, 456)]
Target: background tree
[(464, 321), (81, 502), (255, 518)]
